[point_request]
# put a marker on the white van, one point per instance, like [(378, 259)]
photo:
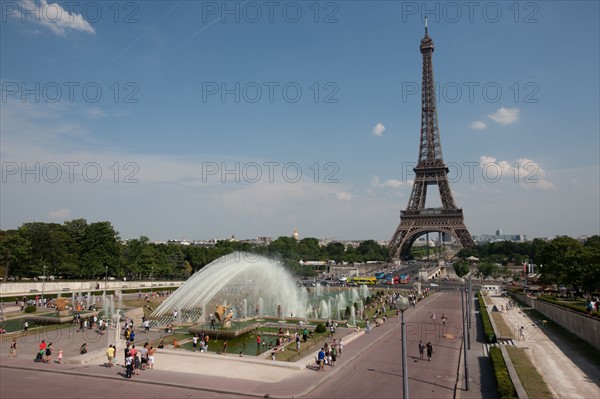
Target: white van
[(492, 290)]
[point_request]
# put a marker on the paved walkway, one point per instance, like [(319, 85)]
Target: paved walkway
[(565, 371), (210, 374)]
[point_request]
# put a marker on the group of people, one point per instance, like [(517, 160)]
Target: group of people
[(135, 360), (425, 347), (200, 342), (329, 353), (44, 354)]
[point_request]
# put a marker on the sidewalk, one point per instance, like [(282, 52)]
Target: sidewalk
[(482, 383), (249, 376)]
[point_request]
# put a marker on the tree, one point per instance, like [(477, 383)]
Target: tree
[(101, 249), (49, 247), (335, 251), (15, 252), (286, 247), (461, 268), (487, 269), (370, 250), (309, 249), (568, 262)]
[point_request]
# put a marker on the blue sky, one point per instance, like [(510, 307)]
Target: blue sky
[(195, 120)]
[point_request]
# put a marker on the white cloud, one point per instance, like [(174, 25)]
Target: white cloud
[(95, 112), (60, 214), (478, 125), (52, 16), (505, 116), (343, 196), (526, 172), (378, 129), (389, 183)]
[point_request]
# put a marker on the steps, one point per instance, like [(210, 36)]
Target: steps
[(486, 347)]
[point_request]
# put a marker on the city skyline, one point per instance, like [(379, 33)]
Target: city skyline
[(191, 120)]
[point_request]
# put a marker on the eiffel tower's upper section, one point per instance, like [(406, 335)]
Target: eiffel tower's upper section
[(430, 148)]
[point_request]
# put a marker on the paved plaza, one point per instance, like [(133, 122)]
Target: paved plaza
[(369, 367)]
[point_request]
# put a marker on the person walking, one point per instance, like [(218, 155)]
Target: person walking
[(60, 355), (13, 348), (321, 359), (49, 353), (421, 349), (151, 353), (194, 342), (433, 317), (110, 355), (522, 333), (128, 365), (429, 351)]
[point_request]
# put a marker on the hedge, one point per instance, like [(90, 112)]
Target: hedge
[(30, 309), (506, 389), (576, 308), (485, 318)]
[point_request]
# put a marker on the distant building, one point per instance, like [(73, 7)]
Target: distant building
[(295, 234), (483, 238)]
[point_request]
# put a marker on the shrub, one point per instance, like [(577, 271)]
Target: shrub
[(571, 306), (485, 318), (320, 328), (506, 389), (30, 309)]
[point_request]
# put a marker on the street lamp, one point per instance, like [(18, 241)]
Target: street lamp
[(151, 271), (402, 304), (469, 305), (105, 278), (462, 306), (43, 282)]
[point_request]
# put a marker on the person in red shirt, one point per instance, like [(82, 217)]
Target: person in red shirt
[(43, 346)]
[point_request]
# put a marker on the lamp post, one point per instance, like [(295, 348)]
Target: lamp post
[(462, 306), (151, 271), (105, 278), (469, 305), (402, 304), (43, 282)]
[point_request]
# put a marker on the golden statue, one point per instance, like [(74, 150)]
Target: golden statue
[(61, 303), (224, 319)]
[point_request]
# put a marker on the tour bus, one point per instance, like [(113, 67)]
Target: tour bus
[(379, 275), (363, 280), (389, 279), (404, 278), (492, 290)]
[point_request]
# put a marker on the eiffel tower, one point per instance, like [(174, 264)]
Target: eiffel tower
[(417, 220)]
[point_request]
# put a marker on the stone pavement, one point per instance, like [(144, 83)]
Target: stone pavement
[(482, 383), (248, 376), (566, 372)]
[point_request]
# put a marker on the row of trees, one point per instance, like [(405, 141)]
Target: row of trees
[(81, 250), (561, 261)]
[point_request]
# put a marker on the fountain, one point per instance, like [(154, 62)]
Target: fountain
[(258, 279), (250, 290)]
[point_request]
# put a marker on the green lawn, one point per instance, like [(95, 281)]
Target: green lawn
[(530, 378)]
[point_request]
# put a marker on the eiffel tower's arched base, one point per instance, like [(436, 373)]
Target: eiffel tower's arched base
[(417, 223)]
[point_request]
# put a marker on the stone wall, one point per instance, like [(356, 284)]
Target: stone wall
[(67, 287), (581, 325)]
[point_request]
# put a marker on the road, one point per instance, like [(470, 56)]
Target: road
[(378, 371)]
